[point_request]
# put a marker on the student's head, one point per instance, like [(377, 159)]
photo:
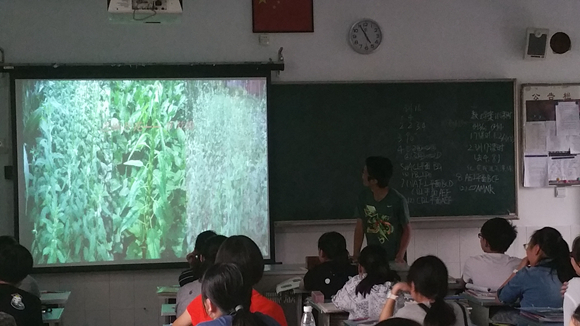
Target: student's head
[(202, 238), (374, 263), (209, 251), (428, 279), (224, 292), (497, 235), (398, 322), (547, 246), (332, 247), (575, 256), (15, 263), (243, 252), (575, 320), (377, 172), (194, 258)]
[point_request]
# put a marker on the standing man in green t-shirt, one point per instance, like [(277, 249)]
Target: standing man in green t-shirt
[(382, 213)]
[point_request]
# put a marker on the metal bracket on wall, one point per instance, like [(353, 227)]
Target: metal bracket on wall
[(280, 60)]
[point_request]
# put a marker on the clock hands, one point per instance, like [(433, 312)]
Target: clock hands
[(365, 33)]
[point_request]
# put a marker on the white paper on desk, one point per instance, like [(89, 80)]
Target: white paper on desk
[(567, 119), (555, 143), (536, 138), (535, 171)]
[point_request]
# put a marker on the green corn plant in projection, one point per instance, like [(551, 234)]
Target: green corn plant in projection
[(64, 187), (148, 221), (95, 192)]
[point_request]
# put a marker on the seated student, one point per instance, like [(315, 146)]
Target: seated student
[(364, 295), (575, 318), (15, 264), (193, 273), (572, 295), (427, 282), (539, 284), (28, 284), (492, 268), (243, 252), (227, 299), (335, 270), (207, 255)]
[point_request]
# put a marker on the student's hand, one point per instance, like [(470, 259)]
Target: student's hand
[(400, 260), (564, 288), (524, 263), (400, 287), (191, 258)]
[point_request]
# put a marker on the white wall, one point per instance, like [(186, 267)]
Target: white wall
[(443, 39)]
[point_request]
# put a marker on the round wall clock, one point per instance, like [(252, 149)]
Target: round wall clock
[(365, 36)]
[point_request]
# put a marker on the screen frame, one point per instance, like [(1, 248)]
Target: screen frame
[(135, 71)]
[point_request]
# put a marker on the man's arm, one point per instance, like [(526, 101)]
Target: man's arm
[(405, 239), (359, 236)]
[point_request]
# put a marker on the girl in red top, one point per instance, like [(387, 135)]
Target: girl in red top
[(243, 252)]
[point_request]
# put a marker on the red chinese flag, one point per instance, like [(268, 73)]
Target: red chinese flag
[(271, 16)]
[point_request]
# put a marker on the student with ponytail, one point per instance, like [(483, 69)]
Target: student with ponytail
[(227, 299), (364, 295), (427, 283), (538, 279), (242, 251)]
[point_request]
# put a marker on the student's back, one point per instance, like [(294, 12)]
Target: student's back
[(415, 312), (227, 298), (364, 295), (15, 264), (335, 270), (427, 283), (539, 284), (492, 268), (189, 291)]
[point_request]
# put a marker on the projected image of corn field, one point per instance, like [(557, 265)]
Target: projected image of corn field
[(134, 169)]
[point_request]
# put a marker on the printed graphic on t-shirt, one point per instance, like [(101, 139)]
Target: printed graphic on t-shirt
[(378, 224), (17, 302)]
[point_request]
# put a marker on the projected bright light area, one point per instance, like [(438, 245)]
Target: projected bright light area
[(130, 171)]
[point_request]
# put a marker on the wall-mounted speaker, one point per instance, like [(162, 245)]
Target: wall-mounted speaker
[(536, 41)]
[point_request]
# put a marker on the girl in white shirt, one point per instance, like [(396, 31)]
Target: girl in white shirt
[(364, 295), (572, 295), (427, 283)]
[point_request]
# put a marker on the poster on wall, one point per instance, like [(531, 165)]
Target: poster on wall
[(282, 16)]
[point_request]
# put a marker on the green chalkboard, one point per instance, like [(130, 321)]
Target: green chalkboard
[(451, 143)]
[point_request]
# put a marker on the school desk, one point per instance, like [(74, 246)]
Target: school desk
[(53, 317), (57, 299), (480, 309), (327, 314), (524, 321)]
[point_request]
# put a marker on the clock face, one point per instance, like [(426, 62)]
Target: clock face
[(365, 36)]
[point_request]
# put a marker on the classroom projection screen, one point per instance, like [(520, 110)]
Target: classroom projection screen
[(130, 171)]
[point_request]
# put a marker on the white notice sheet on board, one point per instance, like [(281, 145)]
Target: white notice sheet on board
[(563, 168), (567, 119), (574, 144), (535, 171), (555, 143), (536, 137)]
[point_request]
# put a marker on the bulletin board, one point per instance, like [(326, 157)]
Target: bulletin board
[(551, 133)]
